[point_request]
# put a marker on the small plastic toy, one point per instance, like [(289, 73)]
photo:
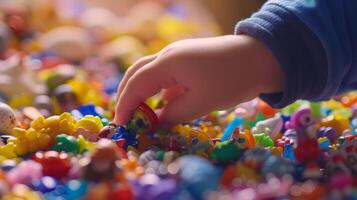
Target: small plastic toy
[(197, 175), (144, 118), (7, 119), (18, 78), (102, 162), (66, 98), (24, 173), (300, 119), (67, 144), (263, 140), (337, 122), (54, 164), (274, 125), (226, 152)]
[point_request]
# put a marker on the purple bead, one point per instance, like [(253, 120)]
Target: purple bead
[(328, 132), (150, 187)]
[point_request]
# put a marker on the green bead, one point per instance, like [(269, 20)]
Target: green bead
[(226, 152), (258, 118), (315, 109), (341, 140), (104, 121), (160, 155), (66, 143), (263, 140)]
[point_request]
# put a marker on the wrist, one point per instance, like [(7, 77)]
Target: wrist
[(265, 67)]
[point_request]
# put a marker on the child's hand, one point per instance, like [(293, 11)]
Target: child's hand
[(200, 76)]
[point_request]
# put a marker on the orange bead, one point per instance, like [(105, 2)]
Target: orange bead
[(228, 175), (247, 137), (266, 109)]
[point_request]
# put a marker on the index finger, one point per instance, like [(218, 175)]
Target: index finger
[(146, 82)]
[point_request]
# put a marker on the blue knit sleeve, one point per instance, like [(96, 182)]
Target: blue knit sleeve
[(315, 43)]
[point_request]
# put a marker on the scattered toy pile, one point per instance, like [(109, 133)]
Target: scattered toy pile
[(57, 141)]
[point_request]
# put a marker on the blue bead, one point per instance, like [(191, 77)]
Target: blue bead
[(8, 165), (111, 84), (198, 176), (289, 152), (4, 138), (75, 189), (236, 122), (277, 166), (89, 109), (44, 185), (324, 144)]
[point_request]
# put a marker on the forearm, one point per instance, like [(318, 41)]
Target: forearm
[(312, 52)]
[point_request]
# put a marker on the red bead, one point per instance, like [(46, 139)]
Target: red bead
[(53, 163), (123, 193), (307, 150), (151, 116)]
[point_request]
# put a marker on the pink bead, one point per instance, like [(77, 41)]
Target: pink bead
[(25, 173)]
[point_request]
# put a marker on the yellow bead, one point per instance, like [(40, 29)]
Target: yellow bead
[(38, 123), (22, 192), (21, 150), (84, 144), (31, 134), (246, 173), (8, 150), (18, 132), (90, 123), (52, 122), (43, 140)]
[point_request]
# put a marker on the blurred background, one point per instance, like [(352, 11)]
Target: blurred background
[(46, 43)]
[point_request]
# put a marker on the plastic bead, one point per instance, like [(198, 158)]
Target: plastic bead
[(226, 152), (263, 140), (324, 142), (274, 125), (22, 192), (301, 118), (236, 122), (89, 109), (310, 146), (7, 119), (336, 122), (245, 139), (54, 164), (277, 166), (150, 187), (44, 185), (307, 150), (67, 144), (289, 152), (7, 165), (145, 118), (102, 162), (328, 132), (76, 189), (66, 98), (197, 176), (24, 173)]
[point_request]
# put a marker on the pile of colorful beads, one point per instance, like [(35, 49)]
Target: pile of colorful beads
[(58, 142), (304, 151)]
